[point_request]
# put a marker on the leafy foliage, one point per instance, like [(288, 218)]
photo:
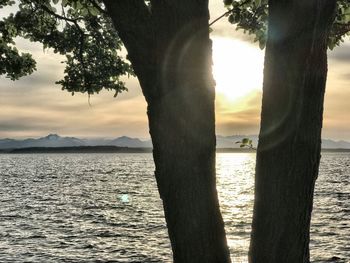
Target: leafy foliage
[(251, 17), (341, 26), (82, 31), (78, 29), (12, 63), (245, 143)]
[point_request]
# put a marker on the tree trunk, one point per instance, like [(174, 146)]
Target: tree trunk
[(182, 127), (174, 70), (289, 146)]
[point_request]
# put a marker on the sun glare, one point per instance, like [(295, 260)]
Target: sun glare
[(238, 68)]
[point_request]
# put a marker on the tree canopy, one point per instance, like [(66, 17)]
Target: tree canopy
[(80, 30), (251, 16), (83, 32), (181, 105)]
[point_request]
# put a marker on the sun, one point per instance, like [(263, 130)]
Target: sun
[(237, 69)]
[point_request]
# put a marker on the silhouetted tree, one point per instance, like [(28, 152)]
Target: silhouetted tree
[(169, 49), (288, 152), (170, 52)]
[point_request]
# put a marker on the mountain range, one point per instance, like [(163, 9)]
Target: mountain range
[(54, 140)]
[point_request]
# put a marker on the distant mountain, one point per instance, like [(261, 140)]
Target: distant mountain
[(54, 140), (330, 144), (7, 143), (125, 141)]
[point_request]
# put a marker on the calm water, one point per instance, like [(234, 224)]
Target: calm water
[(106, 208)]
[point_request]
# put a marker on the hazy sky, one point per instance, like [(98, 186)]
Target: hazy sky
[(34, 106)]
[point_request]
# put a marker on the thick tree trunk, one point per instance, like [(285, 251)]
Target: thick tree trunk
[(182, 126), (174, 70), (288, 153), (183, 135)]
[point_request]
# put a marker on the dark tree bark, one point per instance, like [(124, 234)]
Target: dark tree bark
[(170, 51), (288, 153)]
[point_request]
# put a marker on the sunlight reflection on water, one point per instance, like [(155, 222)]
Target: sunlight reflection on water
[(235, 180), (105, 207)]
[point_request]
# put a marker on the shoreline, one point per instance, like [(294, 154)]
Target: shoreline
[(117, 149)]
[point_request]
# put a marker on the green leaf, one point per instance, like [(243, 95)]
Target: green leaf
[(245, 140), (94, 11), (262, 44), (227, 2), (253, 16), (231, 19)]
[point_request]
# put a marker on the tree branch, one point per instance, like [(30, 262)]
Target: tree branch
[(227, 12), (78, 27), (98, 7), (217, 19), (49, 11)]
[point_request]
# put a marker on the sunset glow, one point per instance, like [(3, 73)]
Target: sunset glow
[(238, 68)]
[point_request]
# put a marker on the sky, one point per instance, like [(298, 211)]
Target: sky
[(34, 106)]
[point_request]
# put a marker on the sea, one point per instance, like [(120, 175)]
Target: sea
[(106, 208)]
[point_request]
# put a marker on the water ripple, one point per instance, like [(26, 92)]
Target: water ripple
[(106, 208)]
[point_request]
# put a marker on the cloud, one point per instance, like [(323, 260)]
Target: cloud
[(239, 117), (124, 118), (226, 29), (341, 53), (346, 76), (237, 127), (44, 109), (27, 124), (34, 106)]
